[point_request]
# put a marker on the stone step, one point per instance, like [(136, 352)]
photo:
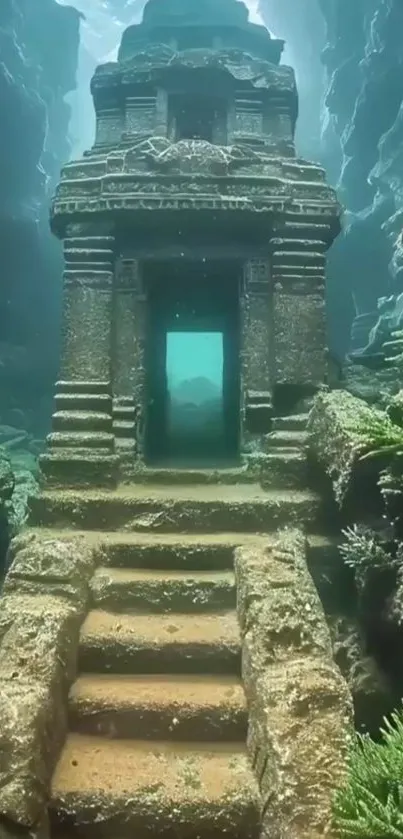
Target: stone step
[(81, 421), (199, 508), (81, 440), (149, 643), (120, 789), (72, 467), (124, 412), (299, 245), (159, 707), (293, 422), (294, 257), (75, 265), (186, 552), (134, 590), (286, 468), (124, 428), (81, 401), (172, 475), (310, 274), (285, 439)]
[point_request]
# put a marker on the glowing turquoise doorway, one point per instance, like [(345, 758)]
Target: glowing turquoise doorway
[(194, 370)]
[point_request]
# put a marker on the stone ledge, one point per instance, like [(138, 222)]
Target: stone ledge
[(44, 601), (337, 441), (300, 709)]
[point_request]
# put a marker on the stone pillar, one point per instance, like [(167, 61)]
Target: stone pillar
[(245, 117), (140, 116), (278, 123), (109, 127), (161, 120), (298, 276), (257, 332), (128, 360), (81, 445)]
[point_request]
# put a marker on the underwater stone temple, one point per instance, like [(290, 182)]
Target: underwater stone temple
[(166, 666), (192, 213)]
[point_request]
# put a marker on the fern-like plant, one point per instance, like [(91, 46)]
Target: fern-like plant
[(380, 436), (370, 805), (362, 549)]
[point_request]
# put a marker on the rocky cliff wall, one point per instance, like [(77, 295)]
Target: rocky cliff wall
[(360, 99), (39, 44)]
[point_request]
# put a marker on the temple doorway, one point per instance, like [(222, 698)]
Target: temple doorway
[(193, 364)]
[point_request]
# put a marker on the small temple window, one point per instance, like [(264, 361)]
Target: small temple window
[(195, 117)]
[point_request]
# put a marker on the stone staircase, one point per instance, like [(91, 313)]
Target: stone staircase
[(158, 718)]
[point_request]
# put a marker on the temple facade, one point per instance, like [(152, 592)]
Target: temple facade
[(191, 213)]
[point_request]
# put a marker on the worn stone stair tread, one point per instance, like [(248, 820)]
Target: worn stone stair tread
[(122, 537), (172, 642), (178, 508), (173, 540), (172, 707), (157, 629), (196, 475), (136, 788), (154, 590), (285, 436), (231, 493), (134, 575), (291, 421)]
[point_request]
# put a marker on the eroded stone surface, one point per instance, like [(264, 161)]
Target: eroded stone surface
[(38, 639), (43, 603), (32, 729), (337, 439), (62, 568), (299, 705)]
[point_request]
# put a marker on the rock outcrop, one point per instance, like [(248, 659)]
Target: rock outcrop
[(362, 134), (364, 62), (39, 48)]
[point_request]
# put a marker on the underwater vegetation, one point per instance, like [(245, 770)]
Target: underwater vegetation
[(370, 804)]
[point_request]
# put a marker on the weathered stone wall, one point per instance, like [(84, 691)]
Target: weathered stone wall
[(300, 710), (39, 50), (43, 603)]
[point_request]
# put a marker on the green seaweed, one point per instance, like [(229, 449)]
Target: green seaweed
[(370, 805)]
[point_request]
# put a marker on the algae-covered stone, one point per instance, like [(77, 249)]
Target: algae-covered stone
[(279, 609), (44, 601), (300, 722), (38, 640), (41, 564), (300, 709), (32, 729), (337, 439)]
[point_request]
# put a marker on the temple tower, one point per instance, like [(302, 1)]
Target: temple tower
[(191, 212)]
